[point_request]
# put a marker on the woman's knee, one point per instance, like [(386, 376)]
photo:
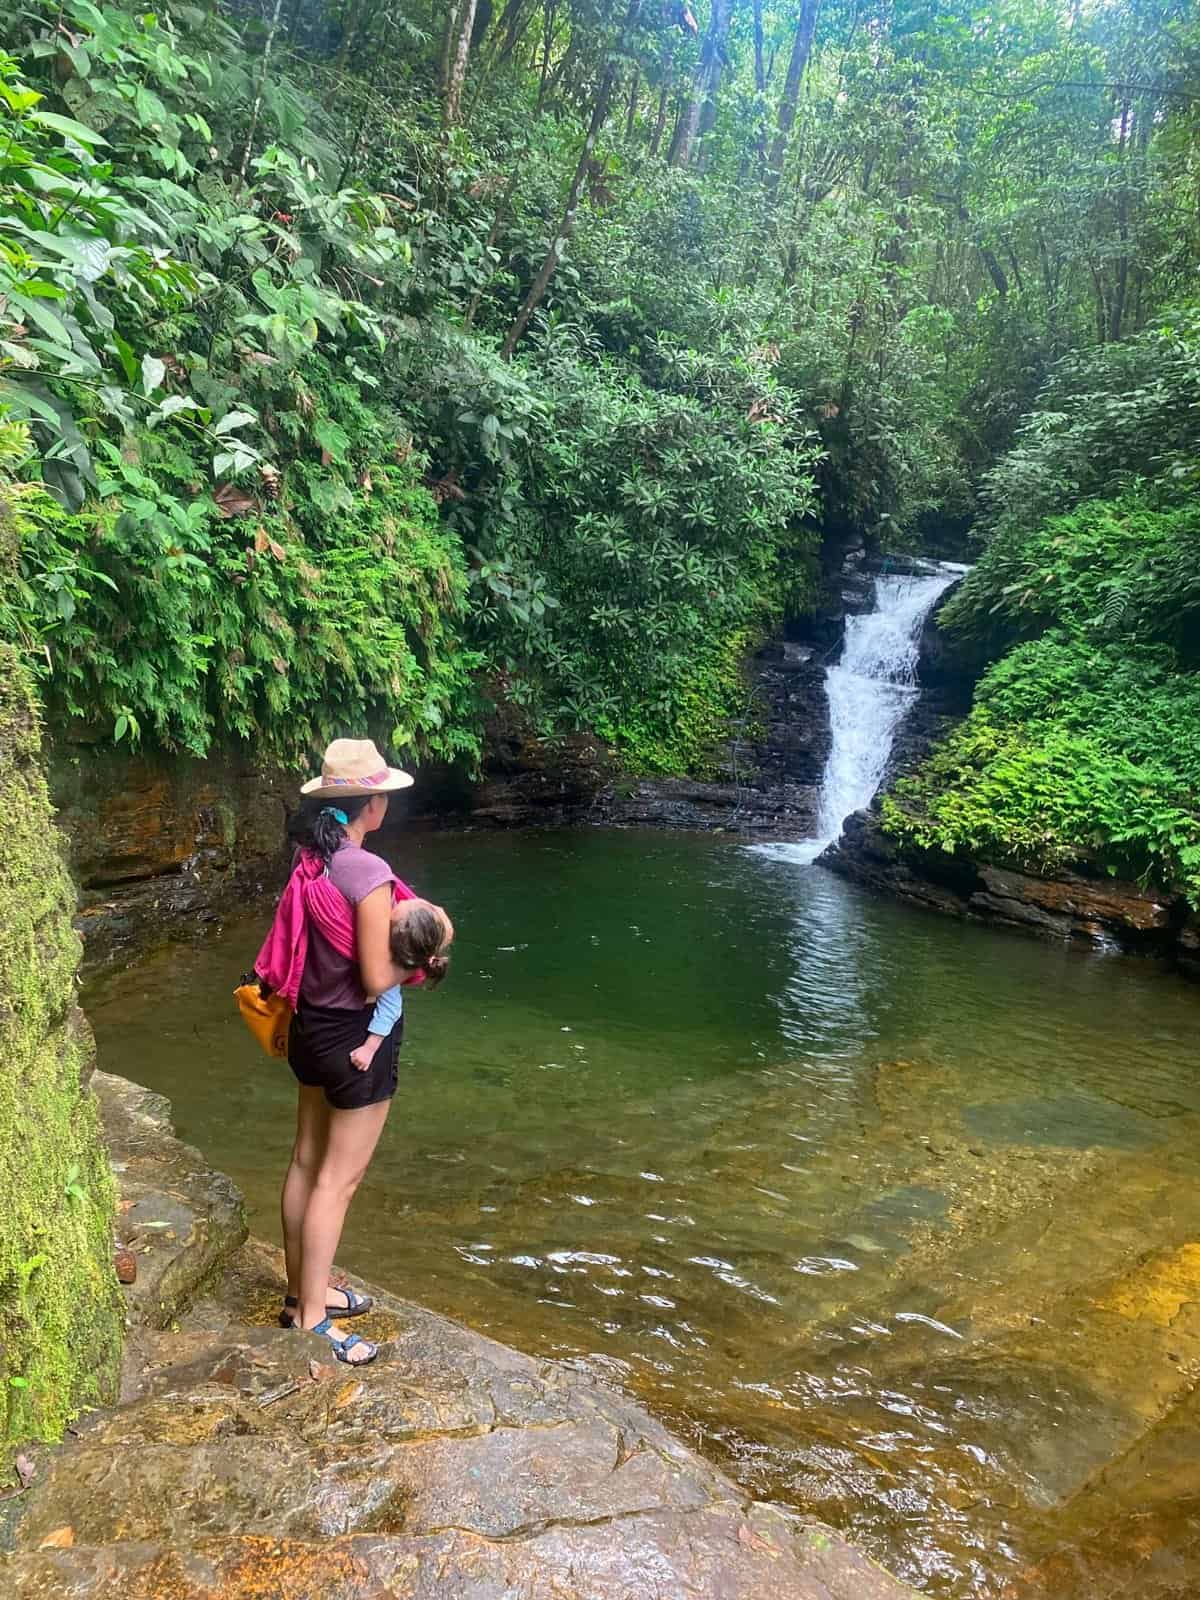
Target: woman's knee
[(306, 1158), (333, 1182)]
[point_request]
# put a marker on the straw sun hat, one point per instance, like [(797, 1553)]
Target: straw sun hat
[(354, 766)]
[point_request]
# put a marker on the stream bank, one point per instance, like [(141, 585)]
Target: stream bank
[(240, 1463), (1080, 906)]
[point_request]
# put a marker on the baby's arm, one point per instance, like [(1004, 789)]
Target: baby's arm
[(383, 1020)]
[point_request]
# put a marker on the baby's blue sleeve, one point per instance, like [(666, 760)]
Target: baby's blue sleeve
[(387, 1011)]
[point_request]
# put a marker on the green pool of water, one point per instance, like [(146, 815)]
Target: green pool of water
[(894, 1218)]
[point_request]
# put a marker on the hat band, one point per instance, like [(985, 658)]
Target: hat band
[(379, 777)]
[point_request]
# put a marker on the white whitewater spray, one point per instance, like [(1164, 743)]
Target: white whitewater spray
[(869, 691)]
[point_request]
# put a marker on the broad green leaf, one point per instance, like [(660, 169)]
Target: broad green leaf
[(127, 358), (68, 127), (234, 419), (46, 319), (153, 373), (177, 402)]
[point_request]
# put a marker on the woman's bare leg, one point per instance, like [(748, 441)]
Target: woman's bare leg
[(312, 1135), (350, 1144)]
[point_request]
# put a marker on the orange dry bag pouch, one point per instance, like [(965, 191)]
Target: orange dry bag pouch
[(269, 1017)]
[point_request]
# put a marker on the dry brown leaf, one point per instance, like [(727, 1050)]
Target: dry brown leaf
[(277, 550), (326, 458), (60, 1539), (754, 1541), (232, 501), (261, 539), (318, 1371), (347, 1394)]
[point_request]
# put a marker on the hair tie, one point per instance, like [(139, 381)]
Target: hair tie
[(338, 816)]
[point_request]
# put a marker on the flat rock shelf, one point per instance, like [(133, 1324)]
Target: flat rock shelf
[(241, 1463)]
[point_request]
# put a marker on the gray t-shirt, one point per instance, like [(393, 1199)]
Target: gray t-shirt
[(331, 979)]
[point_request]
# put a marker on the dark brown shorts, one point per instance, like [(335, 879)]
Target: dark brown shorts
[(319, 1046)]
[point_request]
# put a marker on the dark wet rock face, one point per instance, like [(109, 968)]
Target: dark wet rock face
[(769, 777), (163, 844), (243, 1463), (1071, 905)]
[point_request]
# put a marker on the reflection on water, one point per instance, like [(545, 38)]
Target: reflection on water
[(896, 1218)]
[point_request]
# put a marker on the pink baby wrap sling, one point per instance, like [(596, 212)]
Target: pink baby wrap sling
[(310, 896)]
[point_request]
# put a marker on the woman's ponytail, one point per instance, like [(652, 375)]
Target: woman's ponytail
[(321, 826)]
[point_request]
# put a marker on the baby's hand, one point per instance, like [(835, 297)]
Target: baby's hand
[(365, 1054)]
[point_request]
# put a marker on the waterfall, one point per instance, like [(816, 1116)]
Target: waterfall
[(869, 690)]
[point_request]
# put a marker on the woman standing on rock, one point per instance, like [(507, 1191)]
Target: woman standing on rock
[(345, 930)]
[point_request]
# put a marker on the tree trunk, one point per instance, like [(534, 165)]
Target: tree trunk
[(664, 99), (566, 227), (701, 110), (677, 136), (994, 270), (256, 108), (1121, 288), (806, 29), (760, 83), (460, 54), (631, 117), (448, 37), (547, 42)]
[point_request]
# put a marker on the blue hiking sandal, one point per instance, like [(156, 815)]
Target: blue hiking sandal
[(341, 1346), (357, 1305)]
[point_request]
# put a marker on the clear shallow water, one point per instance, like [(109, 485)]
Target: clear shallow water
[(895, 1218)]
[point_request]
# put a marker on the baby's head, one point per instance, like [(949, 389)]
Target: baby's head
[(421, 934)]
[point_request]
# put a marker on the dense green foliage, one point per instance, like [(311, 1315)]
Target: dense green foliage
[(60, 1316), (375, 362), (1084, 742)]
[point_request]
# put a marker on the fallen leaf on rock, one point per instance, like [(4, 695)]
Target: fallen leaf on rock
[(60, 1539), (317, 1370), (755, 1541), (347, 1395), (231, 501), (25, 1470), (126, 1264)]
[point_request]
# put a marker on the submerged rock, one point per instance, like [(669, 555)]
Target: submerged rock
[(244, 1463)]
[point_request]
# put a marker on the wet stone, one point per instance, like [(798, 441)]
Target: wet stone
[(244, 1463)]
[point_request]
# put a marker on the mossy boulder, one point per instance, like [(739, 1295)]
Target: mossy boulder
[(60, 1318)]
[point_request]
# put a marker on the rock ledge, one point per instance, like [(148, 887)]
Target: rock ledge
[(242, 1464)]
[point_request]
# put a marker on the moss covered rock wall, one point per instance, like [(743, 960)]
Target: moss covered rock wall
[(60, 1318)]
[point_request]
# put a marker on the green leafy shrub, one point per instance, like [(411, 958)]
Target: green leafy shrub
[(1076, 749), (638, 539), (338, 601), (1109, 568)]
